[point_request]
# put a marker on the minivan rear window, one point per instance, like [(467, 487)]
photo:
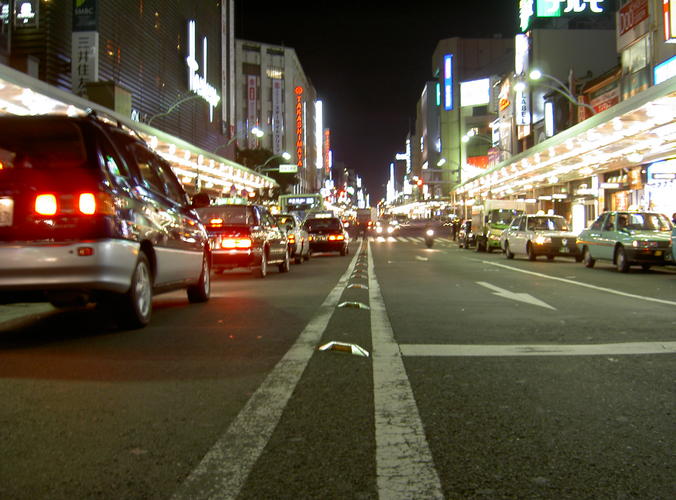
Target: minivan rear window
[(226, 214), (41, 144)]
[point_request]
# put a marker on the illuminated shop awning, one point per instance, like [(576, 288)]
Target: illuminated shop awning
[(21, 94), (637, 131)]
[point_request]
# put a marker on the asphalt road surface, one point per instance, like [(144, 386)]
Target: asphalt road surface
[(452, 374)]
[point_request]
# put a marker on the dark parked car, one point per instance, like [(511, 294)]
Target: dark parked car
[(466, 237), (327, 234), (89, 213), (245, 236)]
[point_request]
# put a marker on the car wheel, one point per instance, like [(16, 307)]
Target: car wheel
[(298, 258), (202, 290), (587, 258), (621, 261), (263, 268), (550, 257), (508, 252), (531, 252), (343, 251), (286, 265), (578, 258), (645, 267), (135, 307)]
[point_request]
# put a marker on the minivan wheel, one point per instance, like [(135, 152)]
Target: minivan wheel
[(531, 252), (202, 290), (621, 261), (136, 306)]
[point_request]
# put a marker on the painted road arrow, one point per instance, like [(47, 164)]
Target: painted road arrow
[(521, 297)]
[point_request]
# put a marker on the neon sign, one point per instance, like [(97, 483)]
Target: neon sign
[(196, 83), (299, 125), (552, 8), (448, 82)]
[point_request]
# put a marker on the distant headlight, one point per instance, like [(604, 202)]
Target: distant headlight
[(390, 229), (379, 229), (541, 240)]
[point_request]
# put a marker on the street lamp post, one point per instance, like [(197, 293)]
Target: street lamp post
[(536, 75), (261, 168), (255, 131)]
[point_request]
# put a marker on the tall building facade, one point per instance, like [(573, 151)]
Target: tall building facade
[(274, 95)]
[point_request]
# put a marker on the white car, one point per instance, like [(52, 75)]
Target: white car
[(534, 235), (299, 242)]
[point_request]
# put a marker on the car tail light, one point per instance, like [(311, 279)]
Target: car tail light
[(87, 203), (292, 238), (216, 222), (49, 204), (45, 204), (336, 237), (232, 243)]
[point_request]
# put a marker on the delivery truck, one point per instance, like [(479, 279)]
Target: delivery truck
[(490, 218)]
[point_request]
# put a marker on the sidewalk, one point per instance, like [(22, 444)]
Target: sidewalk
[(10, 312)]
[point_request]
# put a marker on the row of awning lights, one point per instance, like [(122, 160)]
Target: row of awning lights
[(194, 169), (642, 135)]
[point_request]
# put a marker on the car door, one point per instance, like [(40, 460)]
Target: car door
[(510, 234), (520, 237), (275, 237), (605, 246)]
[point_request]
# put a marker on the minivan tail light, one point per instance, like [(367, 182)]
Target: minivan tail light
[(87, 203), (45, 204), (336, 237)]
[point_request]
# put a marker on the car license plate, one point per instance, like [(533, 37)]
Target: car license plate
[(658, 253), (6, 212), (565, 250)]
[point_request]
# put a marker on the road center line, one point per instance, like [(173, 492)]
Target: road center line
[(625, 348), (224, 469), (586, 285), (404, 464)]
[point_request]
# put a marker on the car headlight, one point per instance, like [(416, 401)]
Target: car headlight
[(390, 229), (643, 244), (379, 229), (541, 240)]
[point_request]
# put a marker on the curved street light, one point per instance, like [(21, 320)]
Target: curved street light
[(536, 75), (255, 131), (261, 168)]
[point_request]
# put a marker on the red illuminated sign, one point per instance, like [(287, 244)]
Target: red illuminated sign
[(299, 125)]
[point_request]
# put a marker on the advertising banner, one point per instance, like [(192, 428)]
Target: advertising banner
[(252, 108), (84, 60), (277, 117), (632, 22), (85, 15)]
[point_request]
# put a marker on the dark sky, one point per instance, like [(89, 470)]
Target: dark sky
[(369, 61)]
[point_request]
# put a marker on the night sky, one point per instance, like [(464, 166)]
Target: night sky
[(369, 61)]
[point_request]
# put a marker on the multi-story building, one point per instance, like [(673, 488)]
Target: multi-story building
[(616, 144), (274, 95), (159, 72)]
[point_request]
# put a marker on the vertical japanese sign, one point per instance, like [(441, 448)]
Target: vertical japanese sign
[(277, 117), (252, 108), (84, 62), (327, 151), (300, 127)]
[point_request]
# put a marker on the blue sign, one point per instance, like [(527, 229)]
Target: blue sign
[(448, 82)]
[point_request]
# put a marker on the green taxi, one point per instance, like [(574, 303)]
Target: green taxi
[(627, 238)]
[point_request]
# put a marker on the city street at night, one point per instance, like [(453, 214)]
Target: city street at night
[(485, 378)]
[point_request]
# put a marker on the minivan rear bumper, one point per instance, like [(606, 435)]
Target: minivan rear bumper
[(59, 267)]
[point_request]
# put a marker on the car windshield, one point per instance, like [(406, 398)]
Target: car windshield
[(502, 216), (644, 222), (547, 224), (322, 225), (226, 214), (41, 144)]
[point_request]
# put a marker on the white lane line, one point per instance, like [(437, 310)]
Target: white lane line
[(445, 240), (404, 464), (224, 469), (626, 348), (586, 285), (521, 297)]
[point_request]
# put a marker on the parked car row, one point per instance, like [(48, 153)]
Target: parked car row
[(622, 237), (90, 214)]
